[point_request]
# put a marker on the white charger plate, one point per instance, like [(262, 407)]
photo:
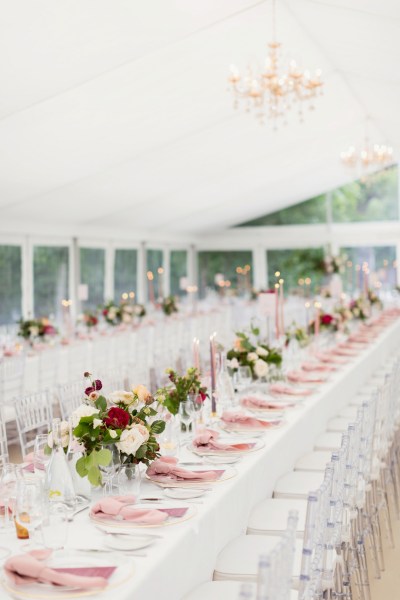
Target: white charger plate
[(65, 558), (184, 493)]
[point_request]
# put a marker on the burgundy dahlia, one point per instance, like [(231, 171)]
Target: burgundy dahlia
[(117, 418)]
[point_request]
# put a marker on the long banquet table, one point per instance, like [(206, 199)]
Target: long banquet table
[(186, 553)]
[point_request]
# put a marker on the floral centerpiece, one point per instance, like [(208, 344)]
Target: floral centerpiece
[(250, 351), (334, 264), (327, 322), (89, 319), (32, 329), (168, 305), (115, 314), (180, 387), (294, 332), (360, 308), (125, 418), (374, 299)]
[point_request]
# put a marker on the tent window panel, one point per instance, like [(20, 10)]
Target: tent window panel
[(214, 266), (295, 265), (11, 284), (50, 280), (178, 270), (92, 266), (154, 263), (125, 272)]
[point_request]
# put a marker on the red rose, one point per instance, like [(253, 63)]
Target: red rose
[(117, 418), (203, 396), (105, 312), (326, 319), (97, 385)]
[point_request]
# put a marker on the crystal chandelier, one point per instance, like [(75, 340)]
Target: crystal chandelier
[(370, 156), (274, 91)]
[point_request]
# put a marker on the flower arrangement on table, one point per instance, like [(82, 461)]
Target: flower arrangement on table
[(374, 299), (250, 351), (115, 314), (294, 332), (32, 329), (342, 315), (125, 418), (89, 319), (327, 322), (168, 305), (360, 308), (334, 264), (180, 388)]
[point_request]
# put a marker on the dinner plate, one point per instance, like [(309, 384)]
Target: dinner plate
[(190, 511), (228, 454), (164, 481), (124, 570), (118, 541), (184, 493), (240, 427)]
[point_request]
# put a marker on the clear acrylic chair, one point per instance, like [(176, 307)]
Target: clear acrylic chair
[(3, 442), (70, 396), (33, 416)]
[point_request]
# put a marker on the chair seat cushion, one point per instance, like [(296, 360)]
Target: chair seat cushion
[(298, 484), (349, 412), (223, 590), (239, 559), (269, 517), (338, 424), (329, 440), (313, 461)]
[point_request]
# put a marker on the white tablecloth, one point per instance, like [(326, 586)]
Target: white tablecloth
[(186, 554)]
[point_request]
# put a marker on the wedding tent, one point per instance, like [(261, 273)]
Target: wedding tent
[(116, 120), (199, 299)]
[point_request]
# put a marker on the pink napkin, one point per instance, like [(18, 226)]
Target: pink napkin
[(309, 366), (343, 352), (28, 568), (287, 390), (123, 507), (256, 402), (237, 418), (300, 377), (166, 467), (207, 440), (326, 357)]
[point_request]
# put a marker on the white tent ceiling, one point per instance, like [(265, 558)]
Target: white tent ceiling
[(114, 114)]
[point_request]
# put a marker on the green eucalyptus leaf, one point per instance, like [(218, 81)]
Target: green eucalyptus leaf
[(157, 427)]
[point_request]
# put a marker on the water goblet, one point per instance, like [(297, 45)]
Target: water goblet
[(109, 471), (40, 458), (29, 509)]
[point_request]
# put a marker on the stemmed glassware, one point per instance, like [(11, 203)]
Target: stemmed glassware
[(244, 377), (29, 510), (110, 471), (186, 413), (40, 458)]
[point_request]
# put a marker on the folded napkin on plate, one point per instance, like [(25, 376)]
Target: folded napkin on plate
[(24, 569), (167, 467), (256, 402), (287, 390), (123, 507), (237, 418), (300, 377), (326, 357), (310, 366), (207, 440)]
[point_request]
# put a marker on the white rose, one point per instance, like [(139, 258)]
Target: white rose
[(121, 397), (112, 313), (126, 318), (141, 392), (97, 423), (128, 309), (131, 440), (261, 351), (64, 432), (260, 368), (233, 363), (34, 331), (84, 410), (112, 433), (252, 356)]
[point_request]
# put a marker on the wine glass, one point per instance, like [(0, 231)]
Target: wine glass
[(244, 376), (109, 471), (29, 509), (169, 439), (40, 458), (8, 492), (186, 414), (55, 525)]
